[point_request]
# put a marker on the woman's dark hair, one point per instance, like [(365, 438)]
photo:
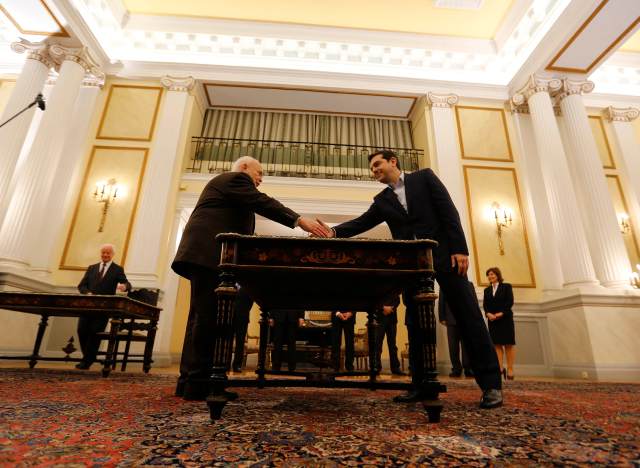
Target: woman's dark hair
[(386, 154), (495, 271)]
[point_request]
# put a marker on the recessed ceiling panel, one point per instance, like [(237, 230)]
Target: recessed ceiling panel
[(308, 100), (32, 18)]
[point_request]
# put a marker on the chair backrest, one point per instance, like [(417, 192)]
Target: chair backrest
[(146, 295)]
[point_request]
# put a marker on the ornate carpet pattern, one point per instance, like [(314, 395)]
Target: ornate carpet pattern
[(58, 418)]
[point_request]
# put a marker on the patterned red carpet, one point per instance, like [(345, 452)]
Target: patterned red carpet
[(57, 418)]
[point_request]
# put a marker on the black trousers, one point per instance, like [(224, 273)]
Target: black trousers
[(285, 327), (88, 327), (388, 325), (474, 333), (454, 339), (197, 351), (242, 308), (339, 326)]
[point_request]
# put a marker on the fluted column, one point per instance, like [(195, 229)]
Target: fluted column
[(26, 213), (628, 145), (29, 84), (608, 252), (60, 199), (148, 238), (448, 157), (575, 258)]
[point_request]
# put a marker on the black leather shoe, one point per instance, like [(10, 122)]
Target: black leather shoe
[(491, 398), (236, 369), (409, 397), (83, 365), (397, 372), (455, 375), (230, 396), (194, 392), (469, 373)]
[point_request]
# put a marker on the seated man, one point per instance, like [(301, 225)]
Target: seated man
[(285, 325), (105, 277), (343, 321)]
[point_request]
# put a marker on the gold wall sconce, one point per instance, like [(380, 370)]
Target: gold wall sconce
[(106, 193), (503, 218), (624, 223)]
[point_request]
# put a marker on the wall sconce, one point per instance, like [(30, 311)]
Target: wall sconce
[(106, 193), (624, 223), (503, 218), (635, 277)]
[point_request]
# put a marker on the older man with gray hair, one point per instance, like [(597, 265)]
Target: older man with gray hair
[(228, 203), (105, 277)]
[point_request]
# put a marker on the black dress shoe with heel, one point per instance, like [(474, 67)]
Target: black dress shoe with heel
[(491, 398)]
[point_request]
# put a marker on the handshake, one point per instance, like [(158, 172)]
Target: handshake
[(315, 227)]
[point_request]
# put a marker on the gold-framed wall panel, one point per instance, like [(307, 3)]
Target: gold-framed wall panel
[(602, 141), (490, 240), (620, 205), (464, 150), (69, 243), (154, 114)]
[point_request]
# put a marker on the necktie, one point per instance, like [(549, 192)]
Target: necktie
[(102, 269)]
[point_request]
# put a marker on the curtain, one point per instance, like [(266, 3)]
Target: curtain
[(307, 128)]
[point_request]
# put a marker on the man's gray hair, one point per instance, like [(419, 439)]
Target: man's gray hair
[(108, 246), (242, 160)]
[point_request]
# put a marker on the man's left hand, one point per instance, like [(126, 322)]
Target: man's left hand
[(315, 228), (462, 261)]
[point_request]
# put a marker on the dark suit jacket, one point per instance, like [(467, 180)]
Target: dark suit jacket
[(228, 203), (91, 282), (501, 302), (432, 215), (444, 311)]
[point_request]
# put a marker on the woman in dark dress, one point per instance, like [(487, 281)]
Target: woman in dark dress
[(497, 304)]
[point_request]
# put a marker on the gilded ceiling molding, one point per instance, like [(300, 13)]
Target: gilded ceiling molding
[(35, 51), (79, 55), (618, 114), (173, 83), (92, 80), (441, 100), (536, 84), (571, 88)]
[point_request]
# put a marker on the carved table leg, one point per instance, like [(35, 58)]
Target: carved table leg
[(42, 326), (148, 346), (222, 345), (110, 357), (372, 341), (431, 387)]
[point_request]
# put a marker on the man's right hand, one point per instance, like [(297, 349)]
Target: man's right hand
[(316, 228)]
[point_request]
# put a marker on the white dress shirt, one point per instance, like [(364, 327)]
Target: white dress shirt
[(398, 189)]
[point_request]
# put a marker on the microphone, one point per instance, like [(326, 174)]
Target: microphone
[(40, 101)]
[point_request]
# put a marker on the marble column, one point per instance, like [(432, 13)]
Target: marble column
[(149, 238), (628, 144), (30, 82), (26, 215), (44, 255), (608, 252), (544, 241), (575, 258), (447, 161)]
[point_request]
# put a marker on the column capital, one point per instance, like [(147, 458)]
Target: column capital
[(35, 51), (79, 55), (442, 100), (619, 114), (173, 83), (94, 80), (573, 87), (535, 84), (518, 108)]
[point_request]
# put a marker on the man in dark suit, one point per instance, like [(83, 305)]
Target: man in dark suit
[(418, 206), (388, 325), (105, 277), (228, 203), (285, 327), (343, 321)]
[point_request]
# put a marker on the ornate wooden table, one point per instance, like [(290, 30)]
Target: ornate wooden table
[(116, 308), (322, 274)]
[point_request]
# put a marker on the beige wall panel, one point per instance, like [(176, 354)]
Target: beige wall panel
[(484, 186), (621, 207), (483, 133), (126, 165), (602, 141), (529, 341), (636, 127), (130, 113)]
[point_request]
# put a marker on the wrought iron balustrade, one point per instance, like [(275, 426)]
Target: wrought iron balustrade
[(293, 158)]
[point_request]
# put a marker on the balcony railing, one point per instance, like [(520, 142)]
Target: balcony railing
[(293, 158)]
